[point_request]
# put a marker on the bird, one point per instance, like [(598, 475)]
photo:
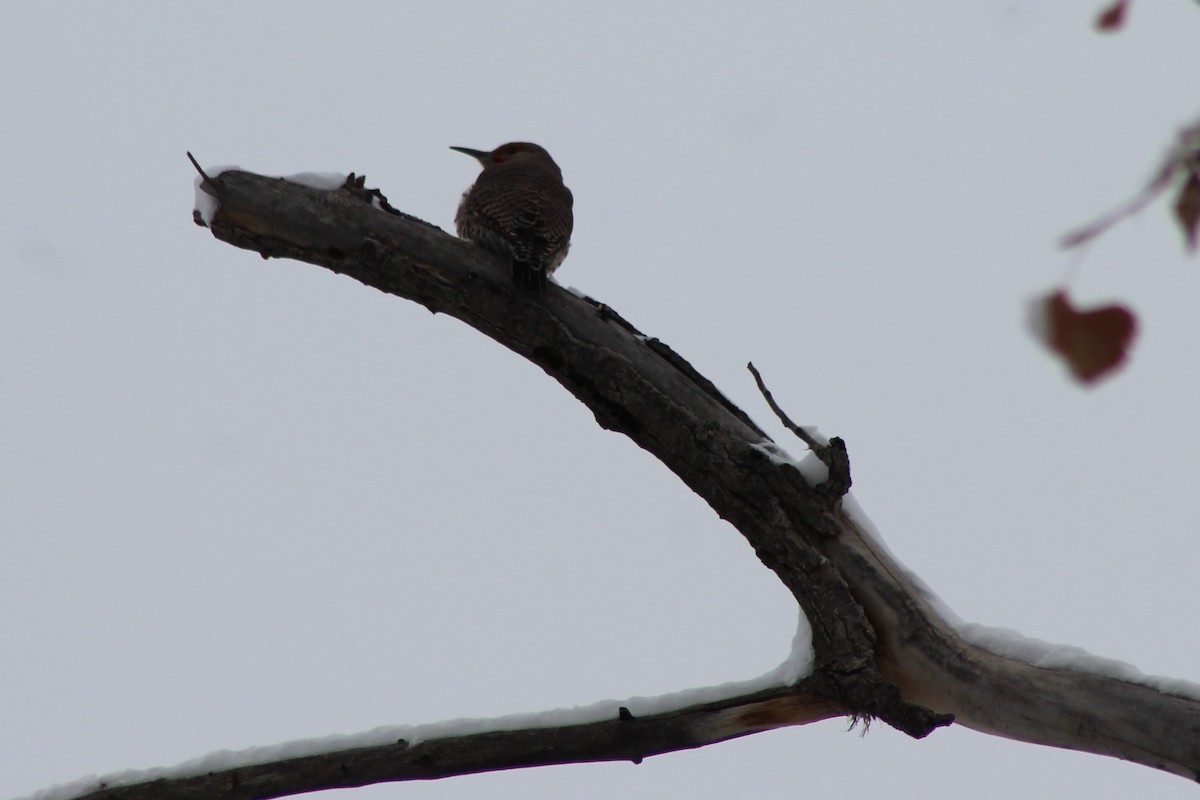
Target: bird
[(519, 208)]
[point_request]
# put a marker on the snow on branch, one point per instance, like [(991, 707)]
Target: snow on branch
[(600, 732)]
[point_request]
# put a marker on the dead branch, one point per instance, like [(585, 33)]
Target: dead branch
[(622, 738), (882, 650)]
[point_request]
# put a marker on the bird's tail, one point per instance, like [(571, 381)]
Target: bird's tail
[(528, 276)]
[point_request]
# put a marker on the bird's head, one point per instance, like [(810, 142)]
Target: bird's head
[(506, 152)]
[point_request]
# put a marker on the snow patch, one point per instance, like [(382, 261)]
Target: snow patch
[(206, 204), (327, 181), (1011, 644), (811, 467)]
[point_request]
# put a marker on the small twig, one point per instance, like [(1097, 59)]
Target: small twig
[(1176, 161), (832, 453), (199, 169), (816, 446), (1127, 209)]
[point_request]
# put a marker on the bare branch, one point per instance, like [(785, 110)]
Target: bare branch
[(813, 443), (622, 738), (633, 384), (882, 648)]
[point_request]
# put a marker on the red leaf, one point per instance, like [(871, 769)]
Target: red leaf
[(1093, 343), (1113, 17), (1187, 210)]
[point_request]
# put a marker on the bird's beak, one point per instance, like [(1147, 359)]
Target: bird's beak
[(478, 155)]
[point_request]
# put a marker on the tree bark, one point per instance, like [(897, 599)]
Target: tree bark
[(882, 649)]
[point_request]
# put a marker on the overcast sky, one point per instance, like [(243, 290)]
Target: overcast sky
[(247, 501)]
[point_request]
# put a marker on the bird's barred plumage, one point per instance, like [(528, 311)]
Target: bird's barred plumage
[(519, 208)]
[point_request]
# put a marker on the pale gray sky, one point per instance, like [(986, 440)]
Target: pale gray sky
[(243, 501)]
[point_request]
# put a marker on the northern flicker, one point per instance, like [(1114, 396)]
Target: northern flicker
[(519, 208)]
